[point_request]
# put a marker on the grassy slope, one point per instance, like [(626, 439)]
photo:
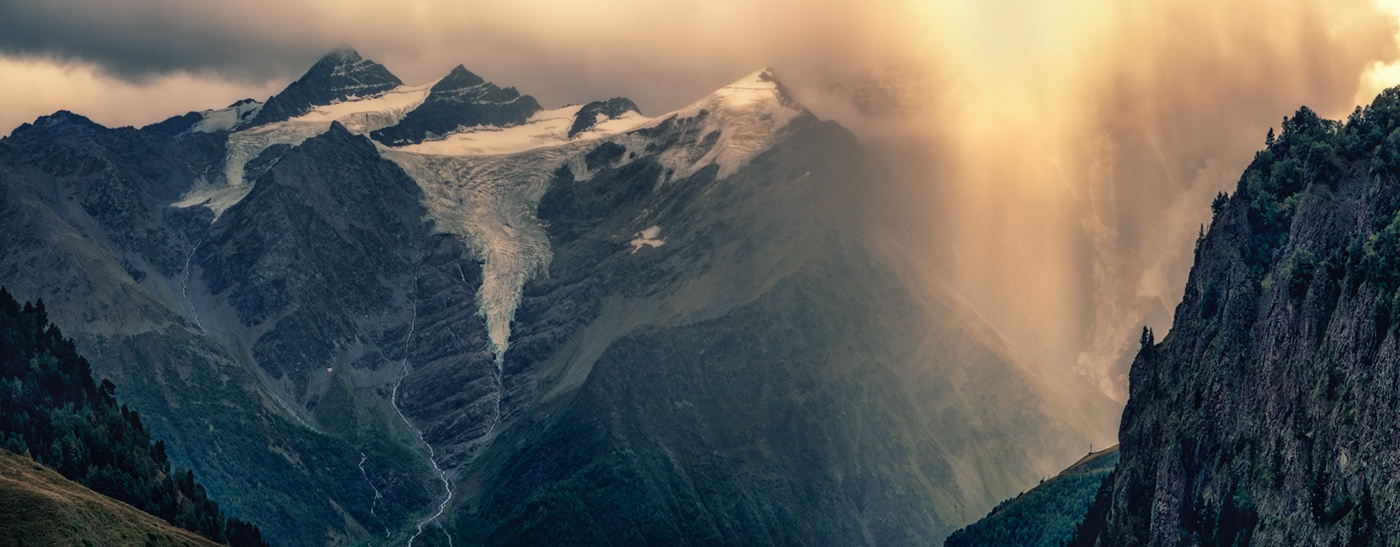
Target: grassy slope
[(39, 507)]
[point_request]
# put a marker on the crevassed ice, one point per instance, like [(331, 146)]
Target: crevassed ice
[(546, 128), (483, 184), (490, 201)]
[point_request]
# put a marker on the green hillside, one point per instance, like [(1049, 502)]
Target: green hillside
[(1046, 515)]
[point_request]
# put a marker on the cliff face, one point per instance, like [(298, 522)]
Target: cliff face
[(1268, 414)]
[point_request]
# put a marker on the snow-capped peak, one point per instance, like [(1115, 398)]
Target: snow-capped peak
[(742, 118), (759, 90), (342, 75), (342, 60)]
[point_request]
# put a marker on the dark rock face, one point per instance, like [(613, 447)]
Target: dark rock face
[(338, 76), (454, 388), (604, 155), (459, 100), (122, 179), (323, 237), (175, 125), (264, 161), (1268, 415), (587, 116)]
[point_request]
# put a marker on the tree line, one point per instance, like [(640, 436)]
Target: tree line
[(52, 411)]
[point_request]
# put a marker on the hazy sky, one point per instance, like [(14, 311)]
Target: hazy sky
[(1067, 150)]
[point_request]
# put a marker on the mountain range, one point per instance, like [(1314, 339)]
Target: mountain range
[(367, 312)]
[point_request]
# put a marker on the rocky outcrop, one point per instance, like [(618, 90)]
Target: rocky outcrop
[(1268, 414), (1044, 516), (589, 115), (460, 100), (318, 244)]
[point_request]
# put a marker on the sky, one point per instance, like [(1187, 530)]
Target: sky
[(1064, 152)]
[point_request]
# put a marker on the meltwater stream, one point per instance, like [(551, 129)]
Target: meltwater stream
[(447, 484)]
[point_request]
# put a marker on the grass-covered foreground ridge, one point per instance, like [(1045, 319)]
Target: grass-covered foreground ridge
[(53, 412), (40, 507)]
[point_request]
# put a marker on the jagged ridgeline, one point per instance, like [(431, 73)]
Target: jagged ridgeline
[(53, 412), (1270, 414), (366, 311)]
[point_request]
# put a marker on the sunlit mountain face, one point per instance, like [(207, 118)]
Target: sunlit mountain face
[(538, 274)]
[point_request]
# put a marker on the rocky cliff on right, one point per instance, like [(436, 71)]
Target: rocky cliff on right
[(1270, 415)]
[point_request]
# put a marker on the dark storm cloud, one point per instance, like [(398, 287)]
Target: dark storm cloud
[(140, 39), (665, 53)]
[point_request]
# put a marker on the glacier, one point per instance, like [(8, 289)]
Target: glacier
[(484, 183)]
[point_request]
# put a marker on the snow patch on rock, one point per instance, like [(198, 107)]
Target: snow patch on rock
[(649, 237), (228, 119)]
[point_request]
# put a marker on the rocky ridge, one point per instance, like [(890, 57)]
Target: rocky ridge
[(1267, 414), (459, 100), (340, 75)]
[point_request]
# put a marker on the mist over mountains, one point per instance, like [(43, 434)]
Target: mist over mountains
[(362, 309), (1266, 415)]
